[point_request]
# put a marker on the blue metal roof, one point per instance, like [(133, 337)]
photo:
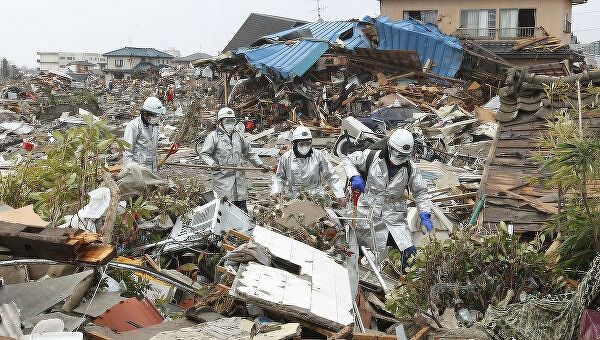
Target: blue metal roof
[(444, 51), (331, 31), (288, 61)]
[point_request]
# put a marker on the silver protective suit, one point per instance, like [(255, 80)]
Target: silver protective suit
[(384, 198), (143, 141), (303, 174), (221, 149)]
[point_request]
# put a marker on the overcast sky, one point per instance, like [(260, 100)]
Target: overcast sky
[(28, 26)]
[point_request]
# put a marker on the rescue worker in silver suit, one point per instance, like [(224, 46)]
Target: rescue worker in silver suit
[(301, 169), (142, 135), (389, 173), (226, 146)]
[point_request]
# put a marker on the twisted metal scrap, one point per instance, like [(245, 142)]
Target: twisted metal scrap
[(544, 318)]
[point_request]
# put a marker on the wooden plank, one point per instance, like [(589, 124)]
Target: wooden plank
[(371, 336), (343, 333), (460, 206), (311, 326), (151, 262), (239, 235), (455, 197), (547, 208), (526, 42), (421, 333), (97, 254), (228, 247), (252, 138)]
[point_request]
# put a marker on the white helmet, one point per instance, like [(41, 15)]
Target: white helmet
[(154, 106), (301, 132), (402, 141), (225, 113)]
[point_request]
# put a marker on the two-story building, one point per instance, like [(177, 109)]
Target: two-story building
[(496, 20), (127, 60)]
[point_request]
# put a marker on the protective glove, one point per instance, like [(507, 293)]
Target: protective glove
[(265, 168), (408, 254), (276, 196), (426, 221), (357, 183), (215, 167)]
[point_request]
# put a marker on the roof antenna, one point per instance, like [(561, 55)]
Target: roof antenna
[(320, 9)]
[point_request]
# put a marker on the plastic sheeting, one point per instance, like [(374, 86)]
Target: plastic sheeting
[(444, 51)]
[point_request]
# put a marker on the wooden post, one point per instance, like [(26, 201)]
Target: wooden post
[(111, 214)]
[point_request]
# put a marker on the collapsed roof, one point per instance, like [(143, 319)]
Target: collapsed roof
[(290, 53)]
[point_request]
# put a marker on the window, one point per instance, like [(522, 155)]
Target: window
[(70, 58), (119, 63), (429, 17), (478, 22), (62, 58), (517, 23), (567, 28)]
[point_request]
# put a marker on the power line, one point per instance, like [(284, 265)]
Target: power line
[(587, 29), (586, 12)]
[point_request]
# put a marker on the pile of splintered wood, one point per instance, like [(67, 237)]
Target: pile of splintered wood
[(540, 44)]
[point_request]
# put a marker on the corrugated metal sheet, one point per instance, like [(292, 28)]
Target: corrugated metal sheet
[(444, 51), (285, 60), (331, 31)]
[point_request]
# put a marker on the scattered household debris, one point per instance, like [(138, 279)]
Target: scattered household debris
[(119, 252)]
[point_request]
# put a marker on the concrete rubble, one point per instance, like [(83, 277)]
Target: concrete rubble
[(136, 255)]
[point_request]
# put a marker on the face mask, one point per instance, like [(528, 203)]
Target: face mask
[(154, 120), (304, 147), (397, 158), (228, 127)]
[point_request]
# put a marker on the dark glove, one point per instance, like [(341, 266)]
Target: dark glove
[(216, 167), (408, 255), (357, 183), (265, 168), (426, 221)]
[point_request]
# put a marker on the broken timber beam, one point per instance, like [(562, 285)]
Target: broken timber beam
[(543, 207), (111, 212), (371, 336), (60, 244), (421, 333)]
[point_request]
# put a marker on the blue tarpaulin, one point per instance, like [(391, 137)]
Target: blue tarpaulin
[(444, 51), (287, 61)]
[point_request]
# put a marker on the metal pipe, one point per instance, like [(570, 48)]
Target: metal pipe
[(26, 261), (352, 218), (156, 275), (375, 270), (477, 210), (214, 168)]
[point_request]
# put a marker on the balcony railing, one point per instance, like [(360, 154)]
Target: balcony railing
[(477, 33), (512, 33)]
